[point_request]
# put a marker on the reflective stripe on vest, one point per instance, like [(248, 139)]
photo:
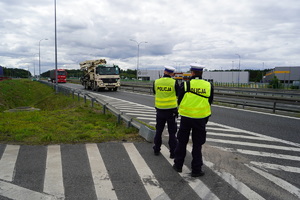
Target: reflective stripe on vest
[(165, 94), (195, 106)]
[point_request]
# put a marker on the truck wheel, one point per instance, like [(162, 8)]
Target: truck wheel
[(94, 86), (115, 89)]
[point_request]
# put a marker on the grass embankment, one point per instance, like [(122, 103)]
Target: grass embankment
[(61, 119)]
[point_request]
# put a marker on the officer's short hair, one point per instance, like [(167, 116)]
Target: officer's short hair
[(197, 72)]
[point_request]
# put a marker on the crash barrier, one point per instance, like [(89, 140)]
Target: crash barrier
[(137, 88), (273, 101), (144, 130)]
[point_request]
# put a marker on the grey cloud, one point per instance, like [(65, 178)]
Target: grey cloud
[(211, 32)]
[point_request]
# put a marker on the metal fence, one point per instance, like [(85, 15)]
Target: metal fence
[(264, 99), (144, 130)]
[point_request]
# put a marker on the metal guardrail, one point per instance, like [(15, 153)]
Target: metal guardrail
[(261, 92), (144, 131), (257, 99)]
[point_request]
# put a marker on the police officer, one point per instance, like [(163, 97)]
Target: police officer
[(195, 99), (166, 92)]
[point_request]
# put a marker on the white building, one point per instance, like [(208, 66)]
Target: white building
[(220, 77), (227, 76)]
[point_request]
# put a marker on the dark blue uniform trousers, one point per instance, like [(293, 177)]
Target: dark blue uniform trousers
[(198, 127), (163, 116)]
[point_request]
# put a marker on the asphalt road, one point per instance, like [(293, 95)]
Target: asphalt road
[(248, 155)]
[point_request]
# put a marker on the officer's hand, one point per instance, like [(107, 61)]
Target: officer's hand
[(175, 114)]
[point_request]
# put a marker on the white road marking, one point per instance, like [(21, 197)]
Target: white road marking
[(102, 183), (254, 134), (239, 186), (256, 112), (259, 153), (277, 167), (53, 182), (237, 136), (254, 144), (221, 129), (8, 161), (15, 192), (140, 115), (278, 181), (145, 118), (150, 182), (272, 155), (137, 110), (198, 186), (129, 107)]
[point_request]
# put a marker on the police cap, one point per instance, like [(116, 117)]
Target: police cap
[(196, 67), (169, 69)]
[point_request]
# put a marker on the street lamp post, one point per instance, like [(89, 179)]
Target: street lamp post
[(138, 55), (239, 68), (262, 73), (55, 50), (232, 72), (34, 59), (40, 56)]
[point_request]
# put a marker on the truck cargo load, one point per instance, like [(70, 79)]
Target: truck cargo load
[(98, 75)]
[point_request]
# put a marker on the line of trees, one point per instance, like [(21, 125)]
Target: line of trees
[(16, 72)]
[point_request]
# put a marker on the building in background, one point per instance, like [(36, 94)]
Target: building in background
[(212, 76), (240, 77), (286, 74), (1, 71), (149, 75)]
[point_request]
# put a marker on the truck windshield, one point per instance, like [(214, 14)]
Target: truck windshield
[(105, 70), (61, 73)]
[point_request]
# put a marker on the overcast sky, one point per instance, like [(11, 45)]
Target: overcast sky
[(216, 33)]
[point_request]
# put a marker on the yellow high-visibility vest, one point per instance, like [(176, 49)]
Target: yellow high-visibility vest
[(193, 105), (165, 94)]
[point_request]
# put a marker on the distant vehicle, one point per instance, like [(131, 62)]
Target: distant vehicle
[(61, 76), (97, 75), (4, 78)]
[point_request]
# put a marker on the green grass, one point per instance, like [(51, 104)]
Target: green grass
[(61, 119)]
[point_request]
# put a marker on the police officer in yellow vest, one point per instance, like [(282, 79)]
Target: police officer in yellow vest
[(195, 99), (166, 92)]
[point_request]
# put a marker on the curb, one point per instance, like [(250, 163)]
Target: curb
[(147, 133)]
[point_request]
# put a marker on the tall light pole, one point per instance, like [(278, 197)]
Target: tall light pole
[(56, 81), (34, 59), (232, 71), (239, 68), (40, 56), (262, 73), (138, 55)]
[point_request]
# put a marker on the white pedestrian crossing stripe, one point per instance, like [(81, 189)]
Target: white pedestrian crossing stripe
[(103, 186), (8, 162), (151, 184), (54, 185)]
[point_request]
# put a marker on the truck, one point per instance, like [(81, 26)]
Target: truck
[(98, 75), (61, 76)]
